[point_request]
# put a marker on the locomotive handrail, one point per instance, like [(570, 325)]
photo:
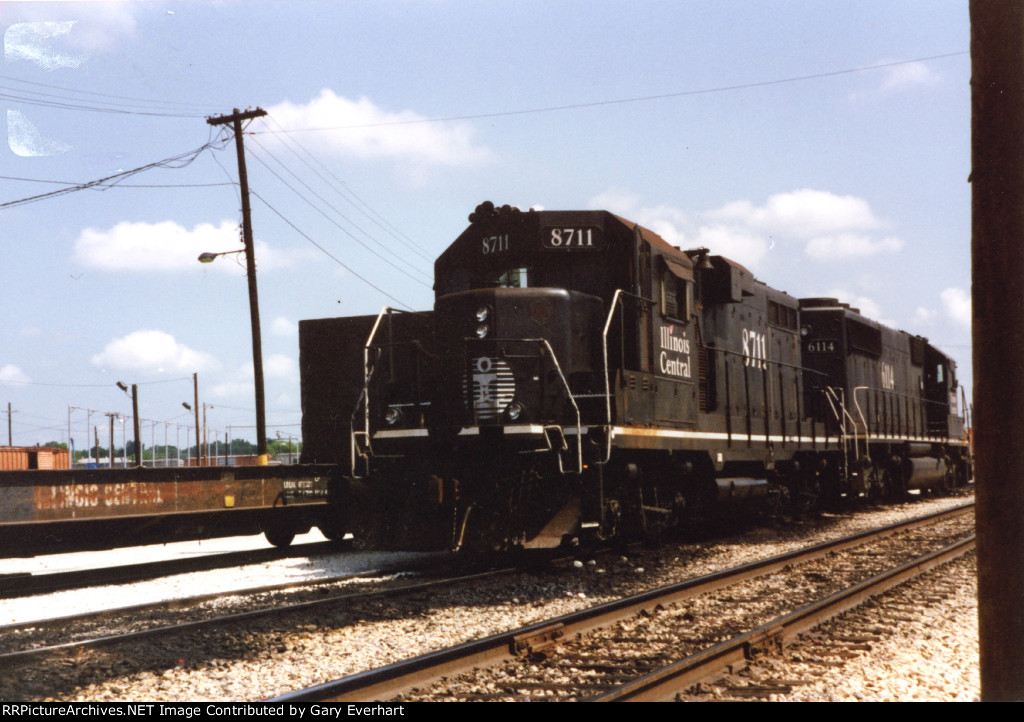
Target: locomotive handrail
[(607, 382), (616, 298), (922, 403), (830, 394), (568, 391), (575, 406), (364, 398), (364, 395), (860, 412)]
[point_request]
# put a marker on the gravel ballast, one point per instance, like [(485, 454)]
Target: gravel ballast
[(937, 662)]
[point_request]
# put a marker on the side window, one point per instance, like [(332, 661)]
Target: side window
[(676, 297)]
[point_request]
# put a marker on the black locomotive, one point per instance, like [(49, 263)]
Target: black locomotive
[(581, 378)]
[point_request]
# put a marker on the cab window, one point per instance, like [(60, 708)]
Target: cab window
[(513, 278)]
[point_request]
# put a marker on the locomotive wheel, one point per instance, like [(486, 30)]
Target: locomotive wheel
[(878, 484), (897, 487), (804, 493), (650, 522)]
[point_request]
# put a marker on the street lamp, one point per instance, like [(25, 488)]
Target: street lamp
[(257, 352), (208, 257)]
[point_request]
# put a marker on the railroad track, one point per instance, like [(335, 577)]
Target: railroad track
[(653, 645), (19, 585), (19, 642)]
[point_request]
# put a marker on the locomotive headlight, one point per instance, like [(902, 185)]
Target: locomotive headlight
[(483, 313), (482, 330), (515, 410), (392, 415), (804, 330)]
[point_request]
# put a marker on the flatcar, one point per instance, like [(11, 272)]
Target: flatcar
[(55, 511), (579, 378)]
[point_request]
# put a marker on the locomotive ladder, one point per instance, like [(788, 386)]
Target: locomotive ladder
[(837, 402), (360, 439)]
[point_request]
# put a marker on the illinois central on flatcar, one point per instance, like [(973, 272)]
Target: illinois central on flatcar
[(580, 377)]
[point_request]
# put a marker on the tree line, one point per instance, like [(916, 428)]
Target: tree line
[(237, 447)]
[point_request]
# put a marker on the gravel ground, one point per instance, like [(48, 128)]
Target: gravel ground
[(895, 649), (314, 650), (932, 658)]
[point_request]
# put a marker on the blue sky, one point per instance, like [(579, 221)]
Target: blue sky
[(825, 145)]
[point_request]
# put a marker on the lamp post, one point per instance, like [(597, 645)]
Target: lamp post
[(135, 419), (257, 352)]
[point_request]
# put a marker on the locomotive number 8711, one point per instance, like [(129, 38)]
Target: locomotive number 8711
[(580, 377)]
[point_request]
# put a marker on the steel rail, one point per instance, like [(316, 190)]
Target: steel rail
[(219, 622), (399, 677), (663, 684)]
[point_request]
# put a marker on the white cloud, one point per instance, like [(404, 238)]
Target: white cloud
[(282, 326), (232, 390), (907, 75), (101, 25), (736, 244), (924, 316), (957, 304), (275, 366), (850, 245), (280, 366), (617, 200), (362, 129), (9, 373), (734, 241), (802, 213), (868, 307), (831, 227), (167, 246), (153, 351)]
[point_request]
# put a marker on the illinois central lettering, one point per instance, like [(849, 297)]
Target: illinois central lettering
[(674, 359)]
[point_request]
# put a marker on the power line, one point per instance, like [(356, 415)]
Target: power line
[(65, 90), (338, 225), (358, 203), (623, 101), (65, 105), (175, 162), (118, 185), (329, 254)]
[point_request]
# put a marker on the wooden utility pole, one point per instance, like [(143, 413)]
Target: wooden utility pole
[(997, 258), (137, 429), (236, 119)]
